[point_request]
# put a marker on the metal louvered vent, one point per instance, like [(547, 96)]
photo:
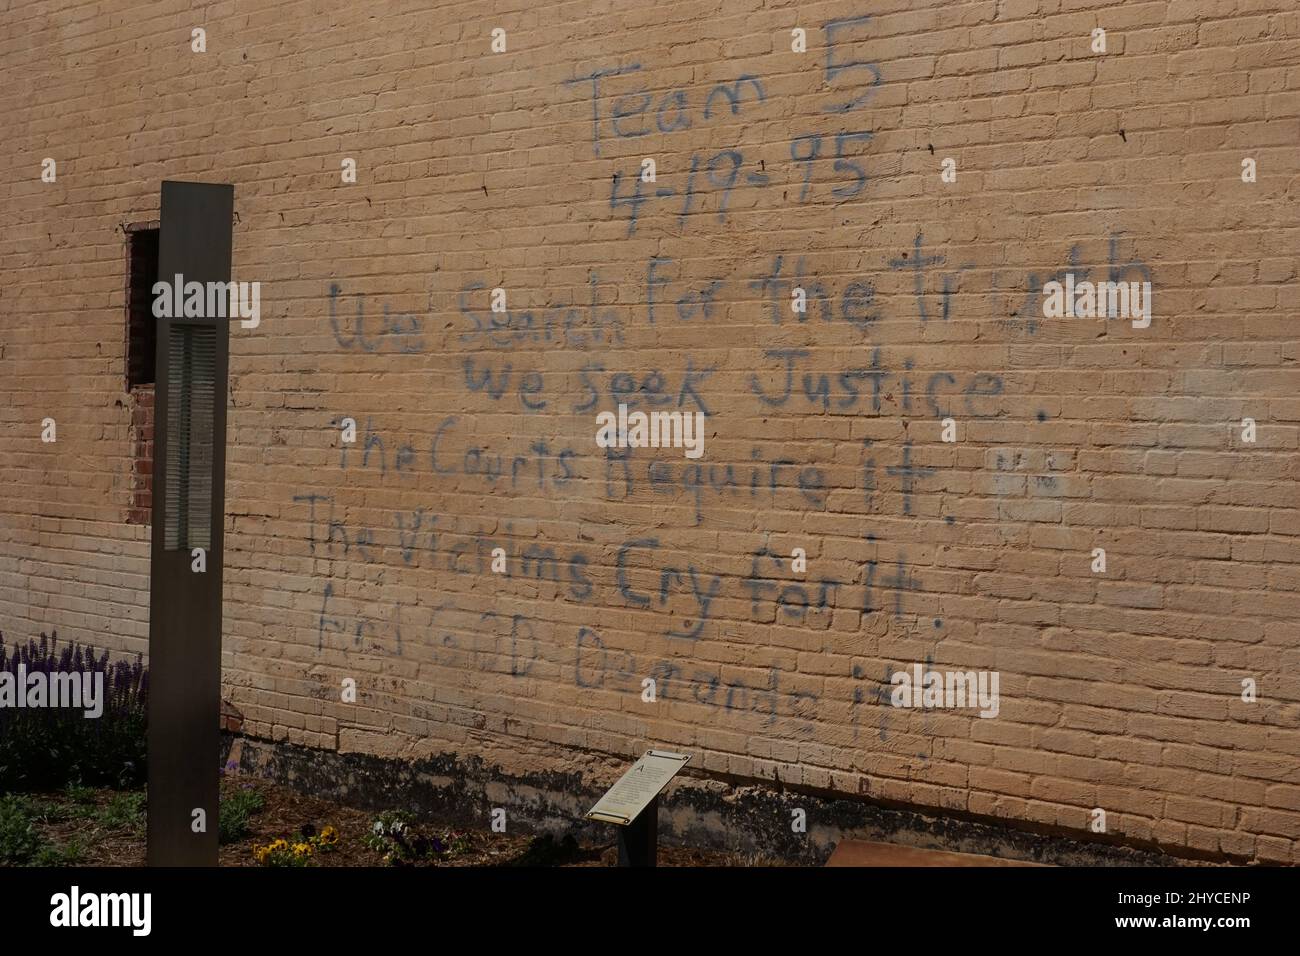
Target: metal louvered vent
[(190, 412)]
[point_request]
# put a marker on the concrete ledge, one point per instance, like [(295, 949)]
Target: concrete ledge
[(750, 818), (866, 853)]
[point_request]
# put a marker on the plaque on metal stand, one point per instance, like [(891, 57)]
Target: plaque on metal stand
[(632, 804)]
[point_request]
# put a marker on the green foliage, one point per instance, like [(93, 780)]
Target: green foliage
[(51, 855), (123, 811), (22, 816), (56, 811), (235, 811), (20, 841), (76, 793)]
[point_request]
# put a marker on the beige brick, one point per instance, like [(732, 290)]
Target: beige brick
[(476, 429)]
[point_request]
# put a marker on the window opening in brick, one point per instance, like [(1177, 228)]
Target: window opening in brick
[(141, 343), (141, 326)]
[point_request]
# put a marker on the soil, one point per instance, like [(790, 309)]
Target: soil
[(286, 813)]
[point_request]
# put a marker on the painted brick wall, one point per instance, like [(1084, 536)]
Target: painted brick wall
[(775, 170)]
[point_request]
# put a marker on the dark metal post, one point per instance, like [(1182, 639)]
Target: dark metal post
[(195, 239), (638, 842)]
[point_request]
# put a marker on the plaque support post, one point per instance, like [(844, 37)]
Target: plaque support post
[(638, 842)]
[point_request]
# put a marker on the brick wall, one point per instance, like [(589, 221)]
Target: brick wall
[(775, 171), (140, 510)]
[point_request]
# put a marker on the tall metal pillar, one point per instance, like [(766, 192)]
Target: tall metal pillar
[(195, 238)]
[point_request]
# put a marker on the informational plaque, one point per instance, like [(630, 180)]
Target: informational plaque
[(633, 792)]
